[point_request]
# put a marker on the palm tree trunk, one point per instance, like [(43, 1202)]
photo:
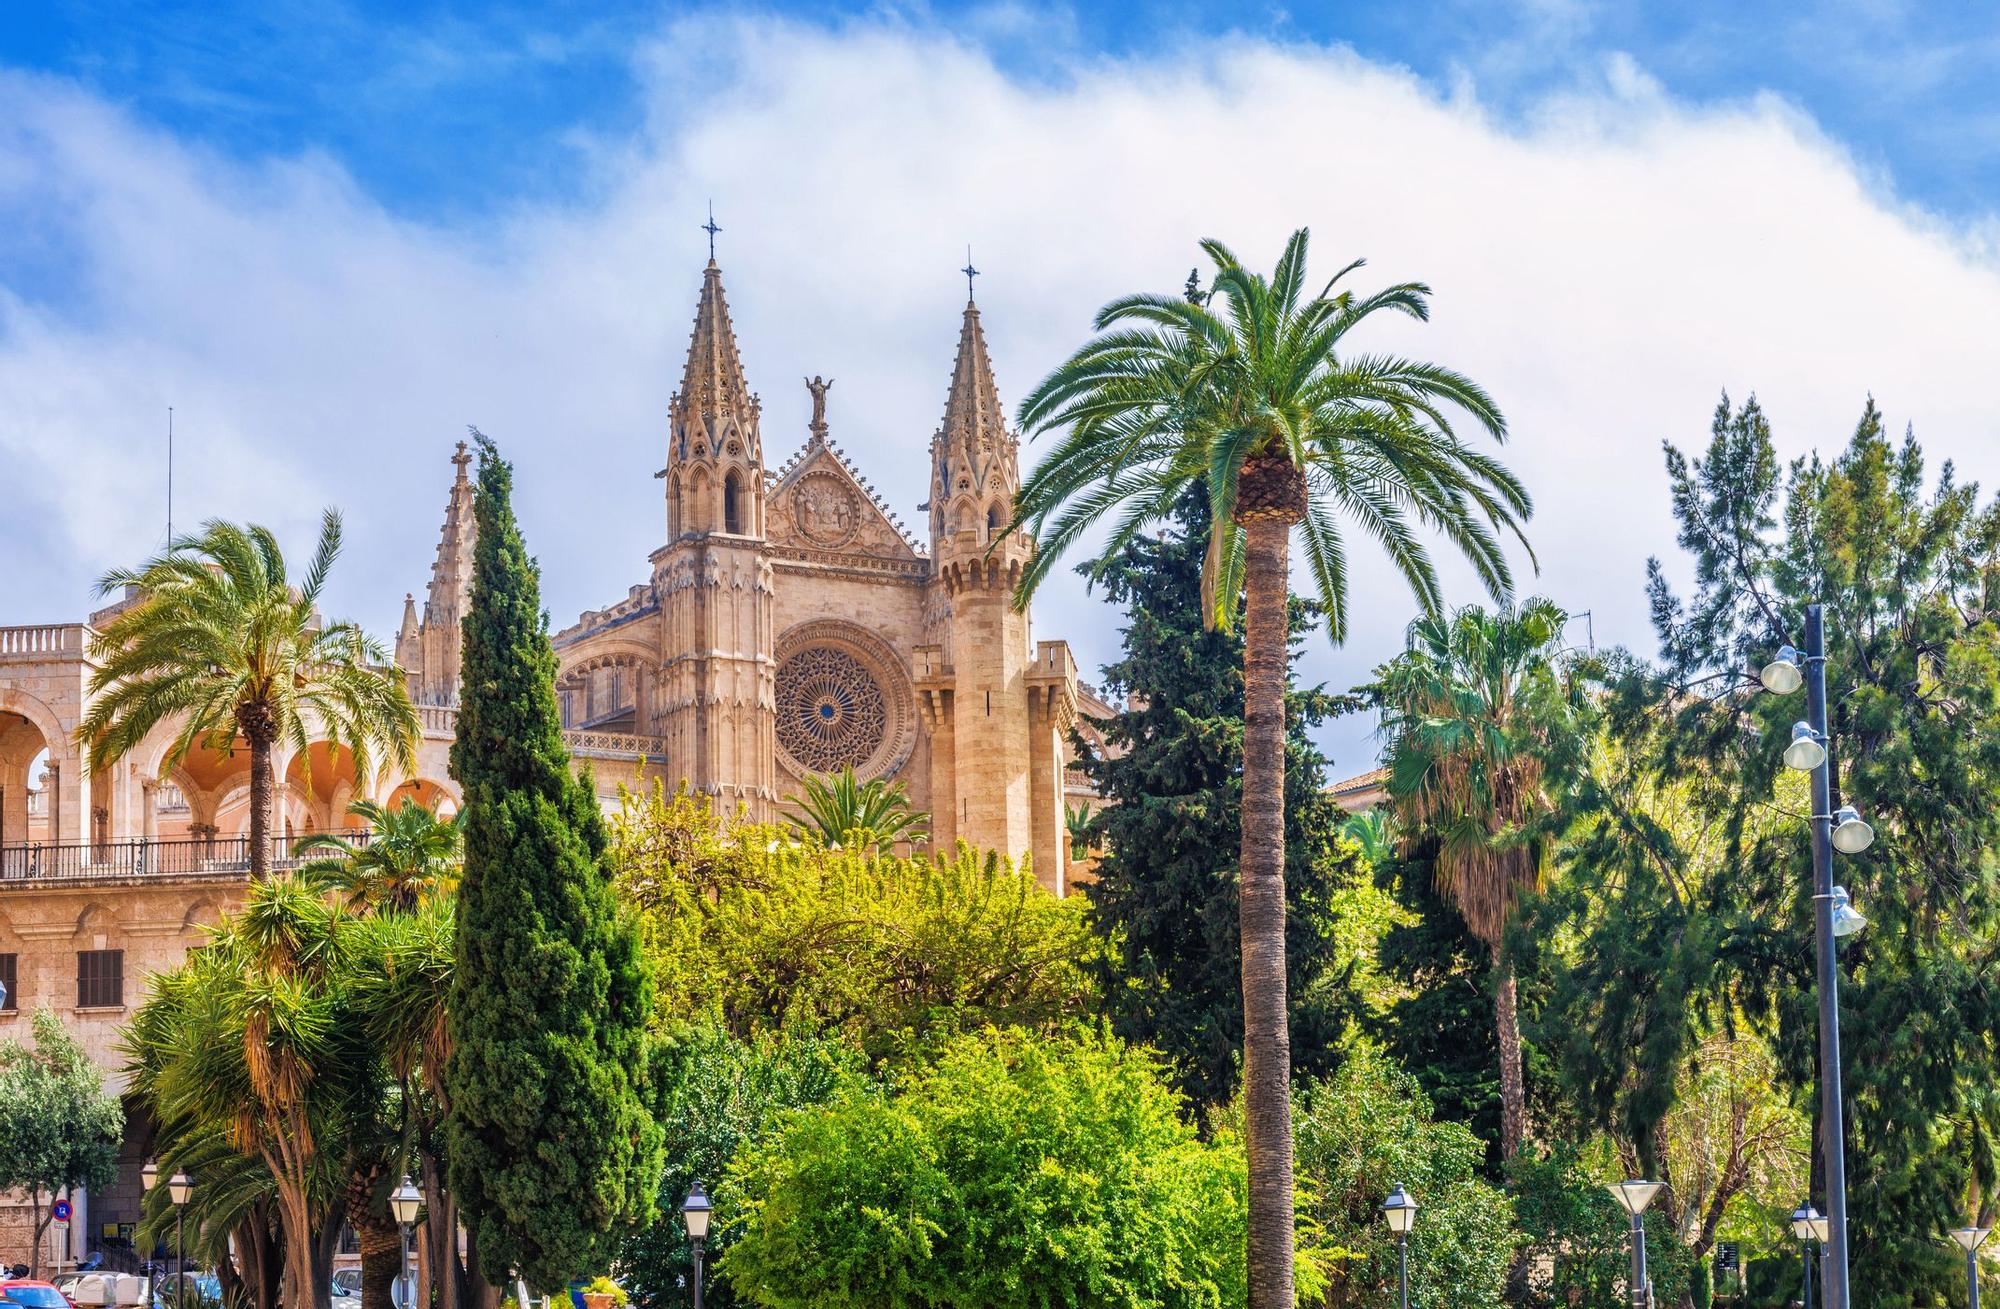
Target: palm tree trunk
[(1267, 1057), (1507, 1027), (257, 726)]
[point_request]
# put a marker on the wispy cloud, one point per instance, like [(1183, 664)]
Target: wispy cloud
[(1606, 265)]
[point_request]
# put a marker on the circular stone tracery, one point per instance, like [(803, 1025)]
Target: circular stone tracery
[(831, 710)]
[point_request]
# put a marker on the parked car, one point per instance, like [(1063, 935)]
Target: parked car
[(31, 1294)]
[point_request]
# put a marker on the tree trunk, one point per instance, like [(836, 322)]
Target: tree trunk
[(1507, 1027), (478, 1293), (256, 722), (379, 1235), (440, 1234), (1267, 1057), (299, 1239)]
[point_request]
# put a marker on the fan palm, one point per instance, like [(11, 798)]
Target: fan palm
[(224, 647), (1486, 728), (842, 810), (1256, 400), (410, 855), (1374, 832)]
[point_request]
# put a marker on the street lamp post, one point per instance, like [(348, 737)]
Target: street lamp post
[(1969, 1240), (179, 1188), (1809, 1225), (1400, 1212), (404, 1202), (1809, 751), (1633, 1197), (694, 1212)]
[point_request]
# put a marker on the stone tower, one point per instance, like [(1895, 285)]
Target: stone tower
[(714, 701), (428, 650), (996, 743)]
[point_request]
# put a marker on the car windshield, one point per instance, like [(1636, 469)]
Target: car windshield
[(35, 1297)]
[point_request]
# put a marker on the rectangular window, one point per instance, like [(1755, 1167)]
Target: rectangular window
[(9, 969), (100, 979)]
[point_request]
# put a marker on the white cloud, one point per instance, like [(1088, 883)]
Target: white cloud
[(1606, 270)]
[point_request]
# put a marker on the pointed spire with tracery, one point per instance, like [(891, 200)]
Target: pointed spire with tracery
[(436, 640), (715, 455), (974, 457)]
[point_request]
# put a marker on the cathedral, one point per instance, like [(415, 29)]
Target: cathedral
[(790, 625)]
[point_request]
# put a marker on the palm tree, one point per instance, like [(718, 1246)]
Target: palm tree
[(224, 647), (841, 810), (1256, 401), (248, 1038), (1487, 729), (1374, 831), (1081, 824), (410, 855)]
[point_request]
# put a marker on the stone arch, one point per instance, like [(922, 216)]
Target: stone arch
[(700, 493), (96, 916), (441, 798), (43, 719), (676, 515), (996, 518), (733, 503), (201, 912)]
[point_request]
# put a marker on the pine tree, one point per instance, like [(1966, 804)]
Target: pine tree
[(551, 1149), (1165, 896)]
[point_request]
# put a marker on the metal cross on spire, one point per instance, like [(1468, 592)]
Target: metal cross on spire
[(710, 228), (969, 271)]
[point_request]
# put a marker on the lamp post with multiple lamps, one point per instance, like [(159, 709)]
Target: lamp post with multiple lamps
[(1970, 1239), (694, 1212), (1808, 1225), (1834, 916), (1633, 1197), (179, 1188), (404, 1202), (1400, 1212)]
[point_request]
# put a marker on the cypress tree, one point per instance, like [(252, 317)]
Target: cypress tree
[(551, 1149), (1165, 895)]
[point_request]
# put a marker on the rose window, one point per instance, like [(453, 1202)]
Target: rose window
[(831, 713)]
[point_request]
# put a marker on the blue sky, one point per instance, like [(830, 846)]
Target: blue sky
[(448, 108), (331, 235)]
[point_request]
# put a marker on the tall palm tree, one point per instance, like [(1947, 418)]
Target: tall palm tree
[(1249, 392), (410, 855), (223, 646), (842, 810), (1487, 729)]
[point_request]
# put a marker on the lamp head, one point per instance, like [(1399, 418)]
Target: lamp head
[(1847, 920), (1633, 1196), (1808, 1224), (1806, 752), (1850, 834), (180, 1186), (149, 1175), (694, 1212), (1970, 1238), (1783, 675), (405, 1200), (1399, 1211)]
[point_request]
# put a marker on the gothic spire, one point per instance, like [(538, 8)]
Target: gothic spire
[(451, 571), (974, 434), (712, 383)]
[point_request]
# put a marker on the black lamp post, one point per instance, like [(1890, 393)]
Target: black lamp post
[(179, 1188), (404, 1202), (694, 1212), (1969, 1240), (1834, 916), (1400, 1212), (1633, 1197), (1808, 1225)]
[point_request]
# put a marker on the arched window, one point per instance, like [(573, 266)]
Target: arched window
[(994, 521), (732, 507)]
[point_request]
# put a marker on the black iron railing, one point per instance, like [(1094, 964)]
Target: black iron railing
[(66, 860)]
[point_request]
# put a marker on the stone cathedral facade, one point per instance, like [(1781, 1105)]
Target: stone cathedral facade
[(790, 625)]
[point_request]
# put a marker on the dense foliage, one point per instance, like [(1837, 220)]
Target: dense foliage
[(1909, 572), (1165, 894), (59, 1127), (765, 934), (720, 1097), (1013, 1172), (1368, 1129), (551, 1149)]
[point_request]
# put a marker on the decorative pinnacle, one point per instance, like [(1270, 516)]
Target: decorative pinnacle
[(969, 271), (710, 228), (461, 459)]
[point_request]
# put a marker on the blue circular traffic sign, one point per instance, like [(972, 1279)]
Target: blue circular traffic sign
[(60, 1211)]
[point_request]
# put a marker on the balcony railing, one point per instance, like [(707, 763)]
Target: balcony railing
[(78, 860)]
